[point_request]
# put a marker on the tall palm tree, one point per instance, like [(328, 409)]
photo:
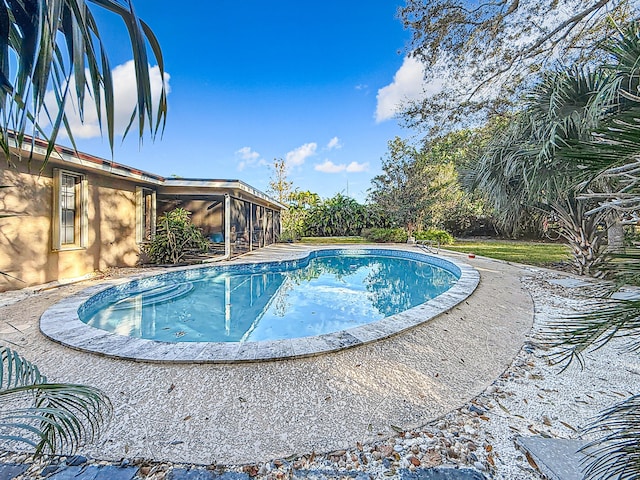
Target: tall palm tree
[(54, 44)]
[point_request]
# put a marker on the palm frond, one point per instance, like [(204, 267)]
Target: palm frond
[(56, 42), (616, 451), (17, 371), (51, 418), (576, 334)]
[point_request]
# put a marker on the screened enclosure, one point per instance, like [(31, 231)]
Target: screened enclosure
[(235, 220)]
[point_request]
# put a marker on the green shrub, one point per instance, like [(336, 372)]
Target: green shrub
[(440, 236), (175, 237), (385, 235)]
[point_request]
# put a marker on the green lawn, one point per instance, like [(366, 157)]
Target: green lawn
[(332, 240), (530, 253)]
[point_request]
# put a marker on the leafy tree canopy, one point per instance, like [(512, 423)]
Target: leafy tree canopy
[(480, 54)]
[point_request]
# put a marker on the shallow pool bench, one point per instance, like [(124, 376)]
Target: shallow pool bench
[(62, 324)]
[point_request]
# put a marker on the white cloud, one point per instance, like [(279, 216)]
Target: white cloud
[(299, 155), (248, 157), (408, 84), (329, 167), (334, 143), (125, 99), (355, 167)]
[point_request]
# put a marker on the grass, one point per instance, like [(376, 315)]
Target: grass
[(530, 253), (332, 240)]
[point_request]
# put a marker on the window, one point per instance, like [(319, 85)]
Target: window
[(145, 214), (69, 210), (68, 206)]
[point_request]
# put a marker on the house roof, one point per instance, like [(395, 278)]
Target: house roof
[(66, 155), (177, 186), (236, 188)]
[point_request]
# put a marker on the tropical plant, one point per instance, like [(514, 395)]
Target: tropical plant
[(56, 45), (295, 219), (337, 216), (441, 236), (522, 173), (175, 237), (49, 417)]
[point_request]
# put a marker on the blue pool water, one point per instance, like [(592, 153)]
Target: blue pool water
[(328, 293)]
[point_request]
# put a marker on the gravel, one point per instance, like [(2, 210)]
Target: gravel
[(531, 398)]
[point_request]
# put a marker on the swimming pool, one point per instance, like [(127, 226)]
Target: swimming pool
[(326, 300)]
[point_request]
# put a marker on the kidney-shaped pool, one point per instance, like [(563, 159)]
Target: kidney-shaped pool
[(328, 300)]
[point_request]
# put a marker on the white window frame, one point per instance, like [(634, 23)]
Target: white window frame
[(81, 220), (141, 193)]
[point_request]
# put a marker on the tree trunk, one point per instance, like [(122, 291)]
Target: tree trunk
[(582, 234), (615, 232)]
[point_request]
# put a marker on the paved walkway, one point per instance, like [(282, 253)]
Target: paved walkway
[(237, 414)]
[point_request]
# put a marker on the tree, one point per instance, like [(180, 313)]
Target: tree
[(399, 190), (55, 44), (479, 55), (279, 186), (521, 171), (419, 187), (610, 160), (295, 219)]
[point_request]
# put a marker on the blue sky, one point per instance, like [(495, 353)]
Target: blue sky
[(314, 82)]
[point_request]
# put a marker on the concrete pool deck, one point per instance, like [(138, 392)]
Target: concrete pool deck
[(245, 413)]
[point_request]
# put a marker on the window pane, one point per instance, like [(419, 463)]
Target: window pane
[(147, 211), (68, 204)]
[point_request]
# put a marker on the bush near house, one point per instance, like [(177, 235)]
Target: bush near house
[(175, 237)]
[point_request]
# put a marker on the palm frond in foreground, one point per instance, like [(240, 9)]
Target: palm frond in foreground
[(48, 417), (616, 452)]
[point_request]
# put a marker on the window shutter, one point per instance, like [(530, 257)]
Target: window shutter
[(84, 211), (139, 214), (153, 214)]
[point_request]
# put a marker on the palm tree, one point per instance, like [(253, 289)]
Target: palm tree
[(522, 173), (52, 44)]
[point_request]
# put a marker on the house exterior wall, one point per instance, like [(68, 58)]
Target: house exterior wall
[(26, 249)]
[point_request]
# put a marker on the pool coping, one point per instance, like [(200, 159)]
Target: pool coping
[(62, 324)]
